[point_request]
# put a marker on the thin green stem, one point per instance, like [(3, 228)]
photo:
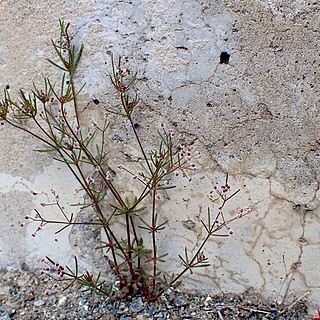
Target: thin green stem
[(139, 142), (154, 240), (129, 245), (31, 133), (75, 104), (128, 114), (136, 239)]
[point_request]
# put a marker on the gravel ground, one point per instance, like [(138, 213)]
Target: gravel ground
[(23, 296)]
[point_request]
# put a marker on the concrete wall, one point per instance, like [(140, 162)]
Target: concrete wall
[(256, 118)]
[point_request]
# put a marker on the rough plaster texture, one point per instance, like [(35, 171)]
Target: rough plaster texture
[(256, 118)]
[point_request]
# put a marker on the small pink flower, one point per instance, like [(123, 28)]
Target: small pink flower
[(202, 258), (109, 175), (90, 180)]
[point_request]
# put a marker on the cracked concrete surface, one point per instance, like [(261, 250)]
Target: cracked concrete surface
[(256, 118)]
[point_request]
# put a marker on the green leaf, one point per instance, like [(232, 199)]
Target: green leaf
[(50, 260), (202, 265), (63, 228), (78, 56), (69, 285), (44, 150), (208, 231), (76, 263), (57, 66)]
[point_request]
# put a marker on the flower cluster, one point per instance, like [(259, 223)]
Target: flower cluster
[(123, 72), (224, 188), (53, 270), (243, 212), (31, 219), (185, 154)]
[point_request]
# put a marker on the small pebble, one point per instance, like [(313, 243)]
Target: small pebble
[(141, 317), (136, 305), (158, 315), (179, 301), (39, 303), (7, 310), (86, 307), (62, 301)]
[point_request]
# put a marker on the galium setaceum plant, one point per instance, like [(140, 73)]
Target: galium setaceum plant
[(54, 112)]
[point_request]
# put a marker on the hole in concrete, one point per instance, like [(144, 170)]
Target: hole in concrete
[(182, 48), (224, 57), (96, 101), (7, 87)]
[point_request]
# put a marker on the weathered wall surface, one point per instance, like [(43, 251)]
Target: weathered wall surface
[(256, 118)]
